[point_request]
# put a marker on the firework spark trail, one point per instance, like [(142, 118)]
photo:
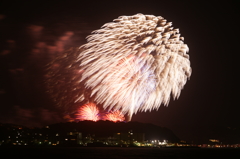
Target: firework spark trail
[(62, 81), (88, 112), (134, 63), (114, 116)]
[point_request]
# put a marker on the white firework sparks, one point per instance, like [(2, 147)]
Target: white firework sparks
[(135, 63)]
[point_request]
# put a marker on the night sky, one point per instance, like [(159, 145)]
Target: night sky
[(31, 32)]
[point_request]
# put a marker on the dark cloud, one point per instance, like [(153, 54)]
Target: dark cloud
[(33, 117)]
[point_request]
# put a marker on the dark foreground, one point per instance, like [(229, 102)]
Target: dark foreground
[(117, 153)]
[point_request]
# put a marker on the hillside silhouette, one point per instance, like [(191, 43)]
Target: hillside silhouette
[(108, 128)]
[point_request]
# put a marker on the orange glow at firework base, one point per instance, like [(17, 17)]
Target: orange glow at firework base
[(114, 116), (88, 112), (91, 112)]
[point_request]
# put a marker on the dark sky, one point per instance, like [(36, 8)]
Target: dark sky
[(209, 99)]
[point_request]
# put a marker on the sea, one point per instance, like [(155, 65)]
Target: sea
[(117, 153)]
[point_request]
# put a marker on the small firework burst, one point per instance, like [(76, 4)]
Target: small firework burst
[(114, 116), (88, 112)]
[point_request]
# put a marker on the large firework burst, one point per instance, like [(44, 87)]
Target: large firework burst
[(131, 64), (135, 63)]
